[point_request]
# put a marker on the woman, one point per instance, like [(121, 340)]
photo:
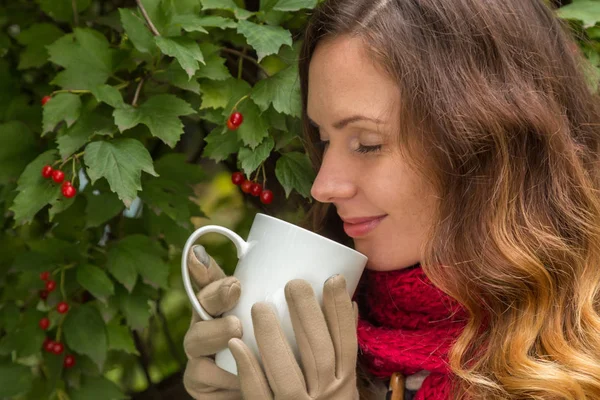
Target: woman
[(465, 132)]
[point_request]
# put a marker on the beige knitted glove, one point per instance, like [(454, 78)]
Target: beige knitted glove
[(326, 341), (202, 379)]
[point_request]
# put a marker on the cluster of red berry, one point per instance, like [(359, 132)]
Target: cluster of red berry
[(58, 176), (62, 307), (253, 188), (234, 121)]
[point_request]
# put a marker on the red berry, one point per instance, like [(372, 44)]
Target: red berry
[(69, 361), (246, 186), (256, 189), (45, 275), (66, 183), (236, 119), (237, 178), (45, 99), (266, 197), (48, 344), (68, 191), (50, 285), (47, 171), (58, 176), (58, 348), (231, 126), (44, 323), (62, 307), (43, 294)]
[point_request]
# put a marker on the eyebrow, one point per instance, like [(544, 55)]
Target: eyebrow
[(341, 124)]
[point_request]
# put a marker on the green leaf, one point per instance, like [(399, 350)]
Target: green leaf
[(101, 207), (90, 124), (137, 31), (171, 192), (587, 11), (62, 107), (294, 5), (9, 316), (195, 23), (293, 170), (119, 337), (254, 128), (176, 76), (219, 146), (282, 90), (109, 95), (185, 50), (160, 114), (134, 306), (85, 333), (27, 338), (86, 57), (230, 5), (36, 38), (15, 379), (62, 10), (97, 388), (137, 254), (95, 280), (264, 39), (189, 23), (121, 162), (251, 159), (214, 67), (35, 191), (219, 94), (17, 150)]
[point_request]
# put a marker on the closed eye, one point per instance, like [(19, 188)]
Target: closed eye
[(322, 145)]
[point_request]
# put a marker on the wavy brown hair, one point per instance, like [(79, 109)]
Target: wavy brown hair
[(497, 114)]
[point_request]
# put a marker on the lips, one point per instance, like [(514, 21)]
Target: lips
[(356, 227)]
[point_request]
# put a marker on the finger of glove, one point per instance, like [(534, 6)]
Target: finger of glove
[(253, 383), (205, 338), (341, 320), (203, 268), (203, 376), (220, 296), (312, 335), (281, 368)]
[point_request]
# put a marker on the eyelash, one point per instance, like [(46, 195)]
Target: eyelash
[(361, 149)]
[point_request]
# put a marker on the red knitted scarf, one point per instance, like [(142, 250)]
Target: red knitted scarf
[(407, 325)]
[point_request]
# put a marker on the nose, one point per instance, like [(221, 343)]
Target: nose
[(335, 181)]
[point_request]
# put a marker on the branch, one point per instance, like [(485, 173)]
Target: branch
[(75, 13), (247, 57), (147, 18), (137, 93)]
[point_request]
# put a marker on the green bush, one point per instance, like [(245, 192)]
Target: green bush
[(136, 101)]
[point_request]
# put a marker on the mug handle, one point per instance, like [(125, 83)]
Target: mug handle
[(240, 244)]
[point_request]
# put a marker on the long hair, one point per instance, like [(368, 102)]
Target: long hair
[(498, 115)]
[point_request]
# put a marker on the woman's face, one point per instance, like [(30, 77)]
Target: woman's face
[(344, 83)]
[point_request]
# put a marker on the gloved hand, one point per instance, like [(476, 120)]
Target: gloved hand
[(202, 378), (326, 341)]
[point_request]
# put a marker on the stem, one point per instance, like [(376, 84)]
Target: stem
[(75, 13), (75, 91), (73, 176), (165, 326), (147, 18), (137, 93), (238, 102), (264, 174), (241, 64), (139, 344), (243, 55)]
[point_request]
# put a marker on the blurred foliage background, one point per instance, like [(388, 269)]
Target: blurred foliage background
[(136, 98)]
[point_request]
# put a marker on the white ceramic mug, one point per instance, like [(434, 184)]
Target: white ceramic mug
[(275, 253)]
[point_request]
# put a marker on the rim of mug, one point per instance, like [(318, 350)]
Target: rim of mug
[(312, 233)]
